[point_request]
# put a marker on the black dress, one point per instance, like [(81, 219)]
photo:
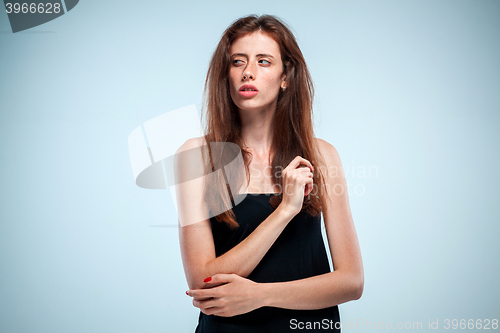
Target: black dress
[(298, 253)]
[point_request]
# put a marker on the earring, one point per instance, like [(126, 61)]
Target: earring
[(283, 88)]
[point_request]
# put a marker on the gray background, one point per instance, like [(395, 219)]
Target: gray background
[(409, 88)]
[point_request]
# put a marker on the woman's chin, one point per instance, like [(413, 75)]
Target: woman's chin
[(252, 107)]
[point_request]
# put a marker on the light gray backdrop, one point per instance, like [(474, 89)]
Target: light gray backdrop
[(407, 91)]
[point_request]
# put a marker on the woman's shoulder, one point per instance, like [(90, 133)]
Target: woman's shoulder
[(328, 154), (192, 143)]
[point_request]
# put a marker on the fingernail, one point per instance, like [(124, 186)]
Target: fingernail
[(187, 293), (207, 279)]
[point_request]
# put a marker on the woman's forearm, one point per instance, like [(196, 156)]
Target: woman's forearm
[(312, 293), (244, 257)]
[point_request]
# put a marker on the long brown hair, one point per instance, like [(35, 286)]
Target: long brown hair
[(293, 123)]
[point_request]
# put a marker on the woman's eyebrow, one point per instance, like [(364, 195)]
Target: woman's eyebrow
[(246, 56), (264, 55)]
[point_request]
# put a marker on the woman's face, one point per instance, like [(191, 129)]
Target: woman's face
[(255, 72)]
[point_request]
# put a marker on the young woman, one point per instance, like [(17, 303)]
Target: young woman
[(254, 256)]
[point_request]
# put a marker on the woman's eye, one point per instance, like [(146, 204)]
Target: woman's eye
[(237, 61), (265, 62)]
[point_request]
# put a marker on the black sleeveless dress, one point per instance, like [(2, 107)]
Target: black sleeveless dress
[(298, 253)]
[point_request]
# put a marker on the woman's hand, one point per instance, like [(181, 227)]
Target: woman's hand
[(236, 296), (297, 183)]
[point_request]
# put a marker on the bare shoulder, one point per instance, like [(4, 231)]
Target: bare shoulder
[(191, 143), (188, 160), (328, 153)]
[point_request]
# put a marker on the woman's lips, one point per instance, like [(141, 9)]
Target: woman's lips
[(248, 93), (247, 90)]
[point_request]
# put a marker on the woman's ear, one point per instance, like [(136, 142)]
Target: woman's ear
[(283, 79)]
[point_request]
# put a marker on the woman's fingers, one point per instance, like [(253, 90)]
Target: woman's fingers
[(308, 175), (297, 161), (237, 296), (291, 174), (309, 186), (205, 304), (305, 171), (208, 307), (297, 183)]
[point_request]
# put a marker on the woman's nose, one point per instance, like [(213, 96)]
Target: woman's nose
[(248, 73)]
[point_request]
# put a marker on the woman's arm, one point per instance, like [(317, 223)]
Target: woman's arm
[(345, 283), (198, 251), (196, 240), (238, 295), (316, 292)]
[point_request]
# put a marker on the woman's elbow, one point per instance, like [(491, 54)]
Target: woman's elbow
[(358, 286), (195, 284), (195, 279)]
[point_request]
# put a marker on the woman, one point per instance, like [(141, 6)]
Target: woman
[(253, 255)]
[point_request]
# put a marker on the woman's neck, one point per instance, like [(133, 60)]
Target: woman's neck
[(257, 132)]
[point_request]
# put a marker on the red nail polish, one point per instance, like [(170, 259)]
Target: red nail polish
[(187, 293), (207, 279)]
